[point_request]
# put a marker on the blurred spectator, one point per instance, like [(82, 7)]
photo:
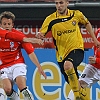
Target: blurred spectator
[(90, 0), (47, 0), (8, 0), (39, 0), (11, 0), (30, 0)]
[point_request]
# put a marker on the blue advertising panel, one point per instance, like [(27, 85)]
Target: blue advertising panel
[(54, 87)]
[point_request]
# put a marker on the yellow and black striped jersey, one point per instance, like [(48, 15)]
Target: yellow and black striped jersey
[(65, 31)]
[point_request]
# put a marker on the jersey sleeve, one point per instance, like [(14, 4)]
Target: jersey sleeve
[(28, 47), (82, 19), (45, 25), (16, 35), (13, 35), (97, 33)]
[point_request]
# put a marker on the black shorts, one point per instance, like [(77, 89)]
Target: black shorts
[(76, 57)]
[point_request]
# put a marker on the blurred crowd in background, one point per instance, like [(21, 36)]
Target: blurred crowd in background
[(47, 0)]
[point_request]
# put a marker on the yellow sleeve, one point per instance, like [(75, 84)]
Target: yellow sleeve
[(82, 19), (45, 26)]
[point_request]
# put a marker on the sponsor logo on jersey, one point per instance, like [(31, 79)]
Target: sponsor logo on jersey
[(59, 33)]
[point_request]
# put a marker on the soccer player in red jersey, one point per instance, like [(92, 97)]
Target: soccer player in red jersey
[(12, 65), (91, 73)]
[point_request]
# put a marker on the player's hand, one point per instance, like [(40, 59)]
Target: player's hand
[(92, 60), (36, 40), (39, 35), (42, 72)]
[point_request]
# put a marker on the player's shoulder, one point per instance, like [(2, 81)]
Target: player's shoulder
[(76, 12), (51, 16), (97, 33), (71, 11), (17, 31), (98, 29)]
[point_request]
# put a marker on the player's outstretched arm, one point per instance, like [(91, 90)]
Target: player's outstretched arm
[(36, 62), (33, 40), (18, 36)]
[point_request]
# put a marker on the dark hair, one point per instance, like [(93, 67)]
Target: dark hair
[(8, 15)]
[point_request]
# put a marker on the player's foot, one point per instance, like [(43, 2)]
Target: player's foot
[(27, 94)]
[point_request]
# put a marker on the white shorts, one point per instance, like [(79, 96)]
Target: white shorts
[(90, 75), (13, 71)]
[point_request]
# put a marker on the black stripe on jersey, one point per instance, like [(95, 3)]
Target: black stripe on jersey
[(58, 21), (54, 41)]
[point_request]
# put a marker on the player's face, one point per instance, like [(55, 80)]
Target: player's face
[(6, 24), (61, 6)]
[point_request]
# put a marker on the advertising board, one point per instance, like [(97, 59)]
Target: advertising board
[(54, 87), (31, 27)]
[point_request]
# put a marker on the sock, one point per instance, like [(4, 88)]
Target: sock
[(70, 95), (2, 94), (73, 82), (14, 96), (27, 94), (83, 94)]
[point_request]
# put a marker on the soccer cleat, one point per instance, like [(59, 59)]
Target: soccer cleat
[(2, 97), (27, 94), (14, 96)]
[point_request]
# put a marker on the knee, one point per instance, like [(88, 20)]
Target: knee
[(68, 65), (8, 90)]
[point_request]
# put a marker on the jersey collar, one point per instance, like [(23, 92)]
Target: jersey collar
[(68, 14)]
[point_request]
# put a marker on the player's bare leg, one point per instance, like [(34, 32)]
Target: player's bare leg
[(2, 92), (21, 82)]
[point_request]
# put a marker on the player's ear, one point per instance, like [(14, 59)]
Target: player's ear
[(13, 25)]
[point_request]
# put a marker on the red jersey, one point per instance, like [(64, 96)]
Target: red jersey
[(97, 51), (10, 51)]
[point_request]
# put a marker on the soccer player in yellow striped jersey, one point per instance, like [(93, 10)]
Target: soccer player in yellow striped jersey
[(64, 25)]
